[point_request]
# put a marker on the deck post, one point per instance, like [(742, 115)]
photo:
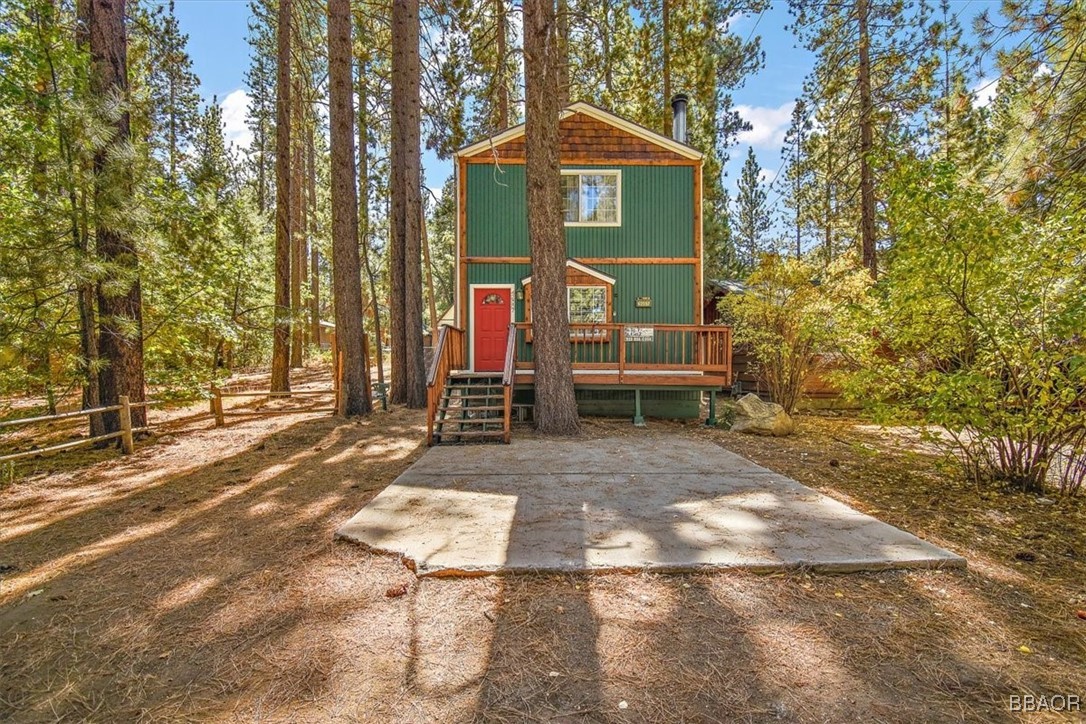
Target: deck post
[(639, 419), (711, 422)]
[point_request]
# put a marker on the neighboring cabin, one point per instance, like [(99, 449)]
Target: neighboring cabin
[(633, 202)]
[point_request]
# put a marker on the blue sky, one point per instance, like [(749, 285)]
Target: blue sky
[(217, 30)]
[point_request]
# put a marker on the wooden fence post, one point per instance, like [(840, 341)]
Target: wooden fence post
[(341, 399), (128, 445), (216, 406)]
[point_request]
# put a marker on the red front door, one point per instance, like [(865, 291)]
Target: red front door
[(490, 323)]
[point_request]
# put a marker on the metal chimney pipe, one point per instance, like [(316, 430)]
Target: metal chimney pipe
[(678, 120)]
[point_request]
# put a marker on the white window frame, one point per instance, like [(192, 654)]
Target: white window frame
[(617, 173)]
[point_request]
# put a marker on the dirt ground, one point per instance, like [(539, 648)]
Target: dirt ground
[(198, 580)]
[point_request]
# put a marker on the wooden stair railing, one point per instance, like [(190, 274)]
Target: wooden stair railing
[(448, 356), (509, 373)]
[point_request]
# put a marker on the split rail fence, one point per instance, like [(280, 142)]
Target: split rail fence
[(126, 434), (221, 412)]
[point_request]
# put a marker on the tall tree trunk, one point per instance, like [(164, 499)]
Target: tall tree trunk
[(562, 18), (867, 180), (346, 271), (261, 183), (408, 365), (297, 224), (120, 307), (502, 30), (314, 256), (364, 220), (280, 376), (555, 404)]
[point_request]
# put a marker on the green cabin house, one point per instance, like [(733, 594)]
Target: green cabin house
[(633, 201)]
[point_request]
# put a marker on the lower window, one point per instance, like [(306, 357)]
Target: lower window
[(587, 305)]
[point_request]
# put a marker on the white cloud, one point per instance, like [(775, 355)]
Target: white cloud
[(767, 176), (985, 91), (768, 125), (235, 117)]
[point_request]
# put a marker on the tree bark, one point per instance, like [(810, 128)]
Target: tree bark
[(562, 18), (120, 307), (555, 403), (867, 180), (502, 83), (314, 256), (346, 270), (280, 375), (297, 226), (408, 366)]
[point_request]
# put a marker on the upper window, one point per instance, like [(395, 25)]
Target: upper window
[(592, 198)]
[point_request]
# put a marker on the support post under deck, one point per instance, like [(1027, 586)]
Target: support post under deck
[(639, 419), (711, 421)]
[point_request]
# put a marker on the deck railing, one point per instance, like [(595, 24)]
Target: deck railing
[(509, 375), (640, 347), (448, 356)]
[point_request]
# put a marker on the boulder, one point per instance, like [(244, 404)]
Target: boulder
[(755, 417)]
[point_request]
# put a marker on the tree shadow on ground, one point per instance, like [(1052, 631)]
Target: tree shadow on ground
[(216, 591), (167, 597), (743, 647)]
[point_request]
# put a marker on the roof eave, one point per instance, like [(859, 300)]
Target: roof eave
[(592, 111)]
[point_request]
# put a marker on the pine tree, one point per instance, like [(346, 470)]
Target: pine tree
[(752, 219), (555, 403), (120, 307), (280, 375), (346, 270), (871, 84), (260, 79), (405, 270)]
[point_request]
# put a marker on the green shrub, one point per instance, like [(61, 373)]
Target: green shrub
[(977, 327), (789, 319)]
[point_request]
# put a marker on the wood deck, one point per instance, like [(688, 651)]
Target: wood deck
[(639, 355), (604, 356)]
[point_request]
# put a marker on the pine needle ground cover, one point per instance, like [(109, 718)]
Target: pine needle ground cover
[(198, 580)]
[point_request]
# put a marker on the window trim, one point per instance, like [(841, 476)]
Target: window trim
[(617, 173)]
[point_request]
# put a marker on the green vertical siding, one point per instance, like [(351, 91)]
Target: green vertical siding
[(497, 214), (657, 214), (671, 287)]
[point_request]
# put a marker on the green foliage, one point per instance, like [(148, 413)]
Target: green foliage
[(978, 328), (789, 318), (203, 253)]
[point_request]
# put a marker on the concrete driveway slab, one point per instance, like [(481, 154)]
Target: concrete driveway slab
[(653, 502)]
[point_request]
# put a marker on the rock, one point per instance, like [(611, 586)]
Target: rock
[(761, 418)]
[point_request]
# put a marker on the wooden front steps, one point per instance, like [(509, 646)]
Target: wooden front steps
[(472, 409)]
